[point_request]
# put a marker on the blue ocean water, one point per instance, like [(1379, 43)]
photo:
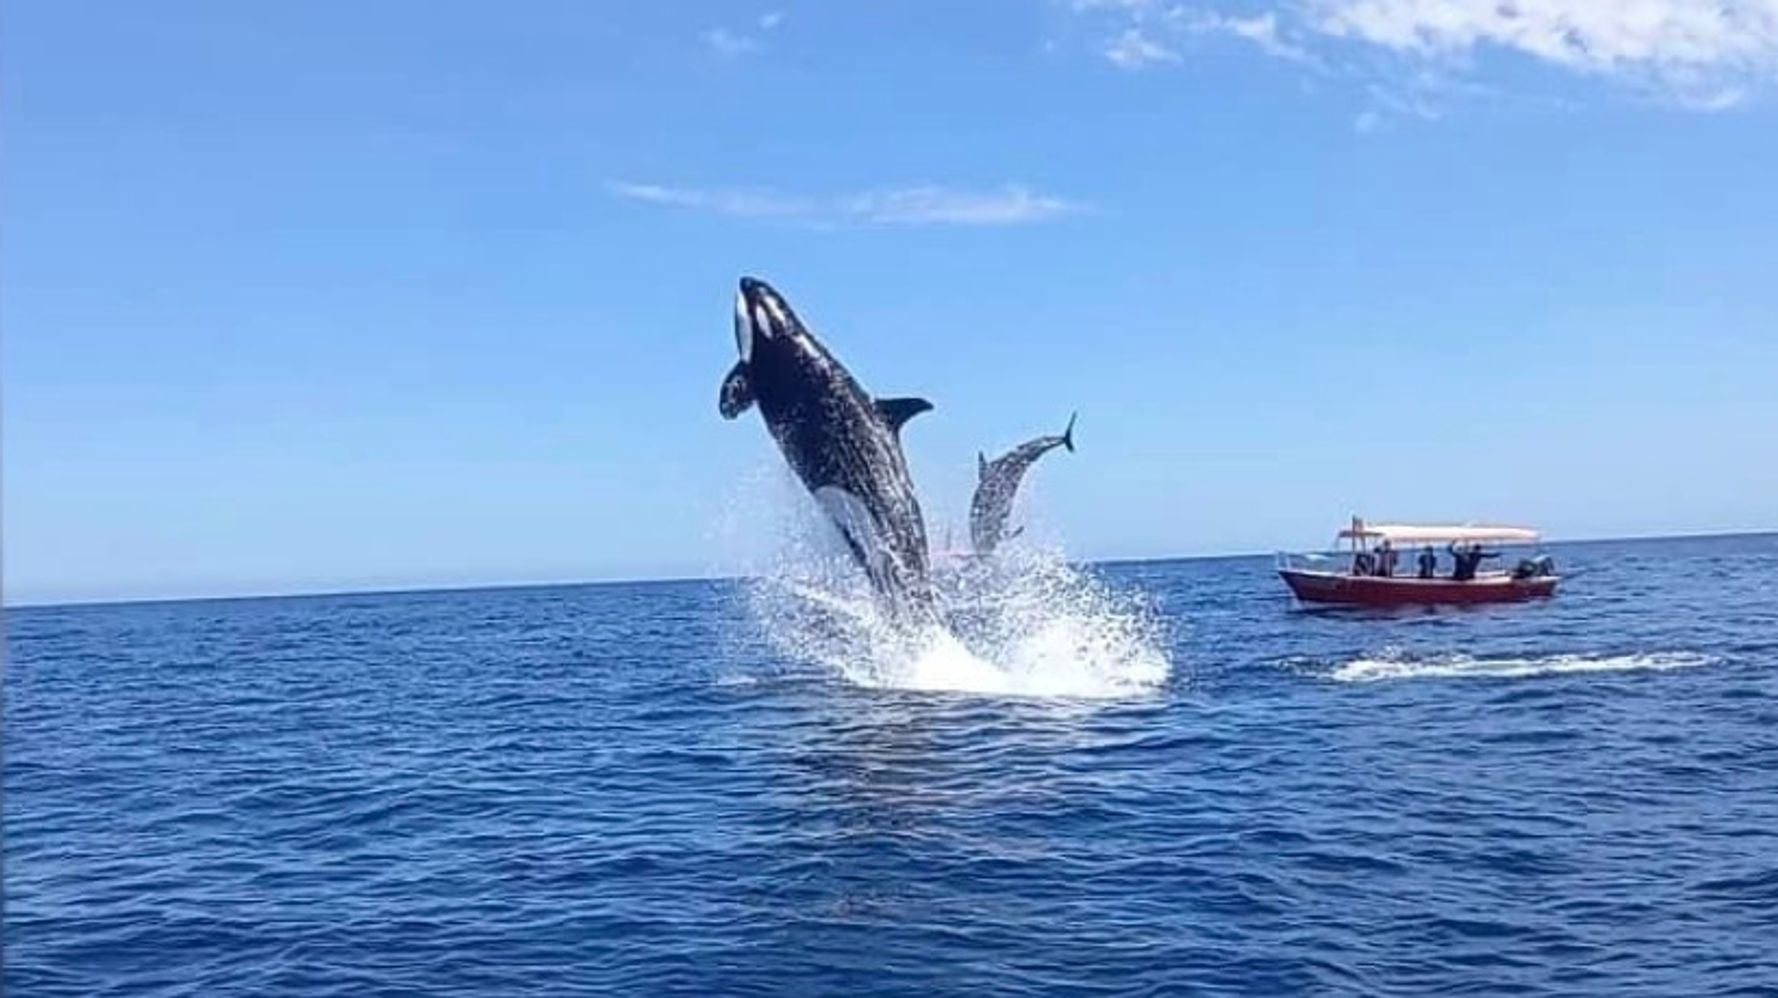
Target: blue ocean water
[(646, 789)]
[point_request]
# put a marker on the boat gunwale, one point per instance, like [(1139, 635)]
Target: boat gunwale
[(1341, 588)]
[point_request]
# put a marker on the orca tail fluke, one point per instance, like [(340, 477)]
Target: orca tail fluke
[(1068, 434)]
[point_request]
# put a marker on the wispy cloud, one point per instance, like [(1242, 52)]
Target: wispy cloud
[(741, 203), (727, 43), (1706, 54), (1152, 30), (1133, 49), (926, 204), (1701, 53), (931, 205), (732, 44), (1260, 30)]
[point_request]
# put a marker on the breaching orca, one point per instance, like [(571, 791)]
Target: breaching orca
[(1000, 478), (843, 444)]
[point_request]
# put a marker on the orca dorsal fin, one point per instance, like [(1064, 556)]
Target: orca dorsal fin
[(898, 411), (737, 392)]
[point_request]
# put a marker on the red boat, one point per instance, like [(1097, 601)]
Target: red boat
[(1406, 565)]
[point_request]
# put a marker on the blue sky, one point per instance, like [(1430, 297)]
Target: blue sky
[(317, 296)]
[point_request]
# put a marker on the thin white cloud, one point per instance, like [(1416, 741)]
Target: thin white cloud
[(729, 44), (734, 44), (1133, 49), (1153, 28), (928, 204), (1707, 54), (739, 202), (1260, 30)]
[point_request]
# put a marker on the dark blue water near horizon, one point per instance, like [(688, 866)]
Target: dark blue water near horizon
[(626, 789)]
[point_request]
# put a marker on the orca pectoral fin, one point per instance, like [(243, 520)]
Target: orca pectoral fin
[(898, 411), (981, 466), (852, 519), (737, 392), (856, 548)]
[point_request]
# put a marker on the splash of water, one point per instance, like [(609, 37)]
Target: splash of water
[(1025, 623), (1366, 670)]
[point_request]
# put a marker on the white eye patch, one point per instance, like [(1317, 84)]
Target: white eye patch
[(743, 329)]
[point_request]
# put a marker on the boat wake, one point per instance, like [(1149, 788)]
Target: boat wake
[(1367, 670), (1025, 623)]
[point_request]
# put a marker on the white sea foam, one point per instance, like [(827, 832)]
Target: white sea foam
[(1025, 623), (1367, 670)]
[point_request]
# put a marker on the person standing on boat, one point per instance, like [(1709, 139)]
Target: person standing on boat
[(1428, 562), (1386, 558), (1363, 563), (1482, 554), (1468, 559), (1462, 563)]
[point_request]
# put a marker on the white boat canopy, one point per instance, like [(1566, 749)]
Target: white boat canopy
[(1404, 534)]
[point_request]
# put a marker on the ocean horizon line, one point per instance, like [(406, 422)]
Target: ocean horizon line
[(419, 590)]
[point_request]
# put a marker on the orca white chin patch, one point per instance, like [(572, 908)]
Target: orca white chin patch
[(743, 328)]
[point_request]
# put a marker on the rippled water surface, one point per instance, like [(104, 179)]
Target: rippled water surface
[(643, 789)]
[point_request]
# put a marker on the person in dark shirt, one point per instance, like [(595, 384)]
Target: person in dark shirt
[(1386, 558), (1428, 561), (1469, 558), (1464, 559)]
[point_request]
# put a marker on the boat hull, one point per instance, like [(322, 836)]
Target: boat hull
[(1363, 590)]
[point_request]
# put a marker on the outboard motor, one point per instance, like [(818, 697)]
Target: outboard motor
[(1539, 567)]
